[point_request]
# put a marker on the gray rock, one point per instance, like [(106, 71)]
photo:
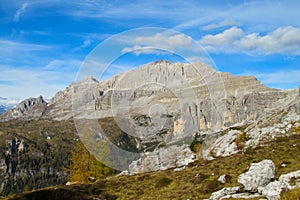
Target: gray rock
[(224, 145), (286, 178), (224, 192), (224, 178), (259, 175), (273, 190), (161, 159)]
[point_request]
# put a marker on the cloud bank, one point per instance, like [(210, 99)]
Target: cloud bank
[(283, 40)]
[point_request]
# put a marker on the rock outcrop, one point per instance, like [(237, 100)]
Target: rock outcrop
[(161, 159), (259, 175)]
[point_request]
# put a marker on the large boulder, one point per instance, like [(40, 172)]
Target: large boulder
[(259, 175), (273, 190), (285, 182)]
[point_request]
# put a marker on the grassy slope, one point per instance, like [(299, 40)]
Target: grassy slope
[(195, 182)]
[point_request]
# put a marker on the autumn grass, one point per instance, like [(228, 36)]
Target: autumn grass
[(292, 194)]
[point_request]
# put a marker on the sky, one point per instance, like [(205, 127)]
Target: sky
[(43, 43)]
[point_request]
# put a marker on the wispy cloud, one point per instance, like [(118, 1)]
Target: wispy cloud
[(33, 82), (284, 40), (278, 79), (20, 11), (224, 23), (10, 46), (20, 52), (66, 65), (137, 50)]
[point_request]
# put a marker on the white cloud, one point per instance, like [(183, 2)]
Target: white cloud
[(137, 50), (86, 43), (10, 102), (226, 38), (162, 40), (20, 11), (221, 24), (284, 40), (159, 44)]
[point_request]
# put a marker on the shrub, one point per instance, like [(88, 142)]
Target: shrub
[(210, 186), (163, 182)]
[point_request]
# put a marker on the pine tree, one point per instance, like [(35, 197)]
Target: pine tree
[(84, 167)]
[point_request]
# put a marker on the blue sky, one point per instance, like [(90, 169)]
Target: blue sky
[(44, 42)]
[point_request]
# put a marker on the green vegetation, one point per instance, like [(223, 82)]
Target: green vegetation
[(47, 147)]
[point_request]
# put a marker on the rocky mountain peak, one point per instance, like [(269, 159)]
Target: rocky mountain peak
[(31, 108)]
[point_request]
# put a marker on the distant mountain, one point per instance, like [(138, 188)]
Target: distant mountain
[(4, 109), (31, 108)]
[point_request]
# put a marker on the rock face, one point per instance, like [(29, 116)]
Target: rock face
[(259, 175)]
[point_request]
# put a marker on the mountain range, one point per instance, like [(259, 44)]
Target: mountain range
[(162, 115)]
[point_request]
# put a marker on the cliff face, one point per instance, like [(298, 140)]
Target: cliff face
[(162, 104)]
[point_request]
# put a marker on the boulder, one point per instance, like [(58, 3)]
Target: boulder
[(273, 190), (259, 175), (224, 145), (287, 178), (224, 178)]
